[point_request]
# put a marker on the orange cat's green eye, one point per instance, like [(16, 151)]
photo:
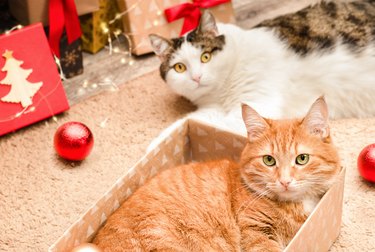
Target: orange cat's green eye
[(302, 159), (269, 160), (179, 67), (205, 57)]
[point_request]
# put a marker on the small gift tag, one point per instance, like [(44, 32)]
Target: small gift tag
[(30, 86)]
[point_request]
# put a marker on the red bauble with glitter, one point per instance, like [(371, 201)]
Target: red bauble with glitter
[(366, 163), (73, 141)]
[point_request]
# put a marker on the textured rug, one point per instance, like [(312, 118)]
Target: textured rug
[(41, 195)]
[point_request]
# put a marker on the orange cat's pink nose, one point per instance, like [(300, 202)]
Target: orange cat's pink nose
[(285, 183)]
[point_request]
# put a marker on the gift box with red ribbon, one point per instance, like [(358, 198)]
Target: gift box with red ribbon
[(30, 86), (64, 36), (64, 30), (168, 18)]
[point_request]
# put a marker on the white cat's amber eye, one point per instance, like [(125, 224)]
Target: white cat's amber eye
[(269, 160), (302, 159), (179, 67), (205, 57)]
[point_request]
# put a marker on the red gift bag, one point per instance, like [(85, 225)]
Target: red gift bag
[(30, 86)]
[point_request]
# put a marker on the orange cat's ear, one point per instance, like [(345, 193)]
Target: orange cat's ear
[(255, 123), (316, 120)]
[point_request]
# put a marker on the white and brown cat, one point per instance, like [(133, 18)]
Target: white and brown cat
[(277, 67), (256, 205)]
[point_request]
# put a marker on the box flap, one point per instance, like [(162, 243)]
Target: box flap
[(323, 225)]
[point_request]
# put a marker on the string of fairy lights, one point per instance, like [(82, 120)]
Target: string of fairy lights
[(119, 42)]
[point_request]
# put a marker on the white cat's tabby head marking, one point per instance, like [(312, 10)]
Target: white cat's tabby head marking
[(194, 64)]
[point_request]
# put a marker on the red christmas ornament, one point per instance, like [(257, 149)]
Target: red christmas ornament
[(366, 163), (73, 141)]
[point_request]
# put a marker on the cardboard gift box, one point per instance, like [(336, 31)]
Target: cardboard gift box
[(96, 26), (30, 86), (34, 11), (194, 141), (144, 17)]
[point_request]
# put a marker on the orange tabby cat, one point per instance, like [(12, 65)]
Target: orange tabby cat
[(256, 205)]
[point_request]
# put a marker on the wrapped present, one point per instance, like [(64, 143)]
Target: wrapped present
[(30, 86), (169, 18), (64, 35), (97, 26), (64, 28), (71, 60), (33, 11)]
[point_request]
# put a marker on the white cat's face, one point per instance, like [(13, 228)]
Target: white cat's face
[(195, 71), (195, 64)]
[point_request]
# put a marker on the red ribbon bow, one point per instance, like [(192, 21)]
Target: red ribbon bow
[(191, 13), (62, 14)]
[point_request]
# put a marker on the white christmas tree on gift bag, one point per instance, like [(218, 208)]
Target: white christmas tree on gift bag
[(22, 91)]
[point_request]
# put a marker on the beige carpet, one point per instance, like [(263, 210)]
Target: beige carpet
[(42, 195)]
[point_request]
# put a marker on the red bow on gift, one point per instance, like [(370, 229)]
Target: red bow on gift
[(62, 14), (191, 12)]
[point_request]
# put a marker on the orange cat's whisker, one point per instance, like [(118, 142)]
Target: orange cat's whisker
[(259, 196), (239, 188)]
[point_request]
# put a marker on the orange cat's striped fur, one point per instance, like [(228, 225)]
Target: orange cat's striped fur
[(256, 205)]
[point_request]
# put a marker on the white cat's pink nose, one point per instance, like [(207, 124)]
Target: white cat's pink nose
[(197, 78)]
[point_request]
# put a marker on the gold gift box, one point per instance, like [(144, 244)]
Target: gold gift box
[(96, 27)]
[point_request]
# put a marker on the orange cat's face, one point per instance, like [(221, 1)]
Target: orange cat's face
[(289, 159)]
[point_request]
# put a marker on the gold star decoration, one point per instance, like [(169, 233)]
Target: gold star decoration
[(8, 54)]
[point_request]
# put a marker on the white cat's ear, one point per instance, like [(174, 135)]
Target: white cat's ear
[(316, 120), (208, 23), (159, 44), (255, 123)]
